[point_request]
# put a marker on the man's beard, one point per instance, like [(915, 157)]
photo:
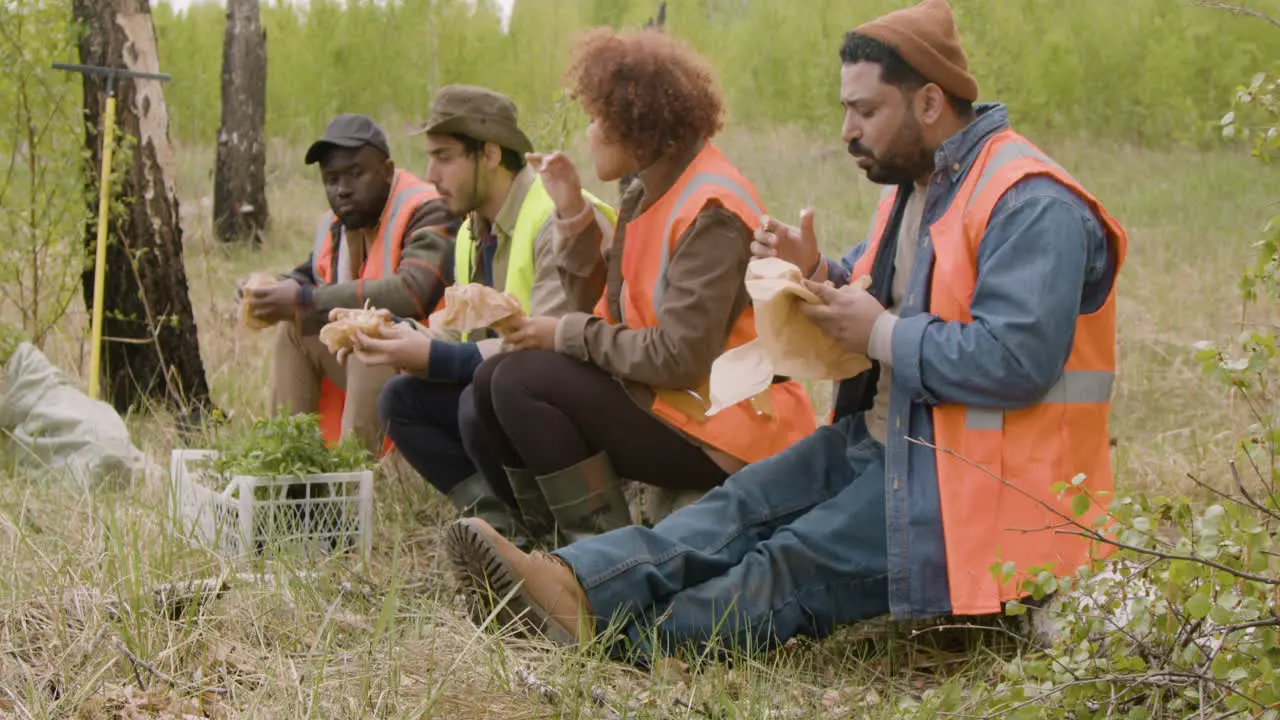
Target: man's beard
[(905, 160), (358, 220)]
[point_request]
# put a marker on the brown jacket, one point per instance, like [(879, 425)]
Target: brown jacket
[(705, 293)]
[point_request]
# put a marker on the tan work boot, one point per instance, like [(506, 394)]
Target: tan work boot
[(548, 597), (586, 499)]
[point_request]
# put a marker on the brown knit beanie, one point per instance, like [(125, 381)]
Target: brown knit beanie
[(925, 36)]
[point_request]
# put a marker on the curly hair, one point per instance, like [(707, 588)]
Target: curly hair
[(650, 92)]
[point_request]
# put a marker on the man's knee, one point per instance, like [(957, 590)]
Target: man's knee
[(470, 426), (397, 395), (468, 419), (287, 336)]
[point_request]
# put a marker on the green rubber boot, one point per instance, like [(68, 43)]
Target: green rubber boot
[(533, 506), (474, 497), (586, 499)]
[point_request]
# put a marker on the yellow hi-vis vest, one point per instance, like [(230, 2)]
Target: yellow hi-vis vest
[(534, 211)]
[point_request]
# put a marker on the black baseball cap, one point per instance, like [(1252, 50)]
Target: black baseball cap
[(348, 130)]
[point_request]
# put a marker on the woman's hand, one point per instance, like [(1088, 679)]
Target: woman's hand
[(561, 181), (535, 333)]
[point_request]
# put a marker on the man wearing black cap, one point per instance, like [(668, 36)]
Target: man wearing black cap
[(385, 241), (478, 162)]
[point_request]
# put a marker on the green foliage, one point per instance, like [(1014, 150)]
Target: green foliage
[(10, 338), (1142, 70), (1255, 118), (1185, 620), (286, 446), (42, 193)]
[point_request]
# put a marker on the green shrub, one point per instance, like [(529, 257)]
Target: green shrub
[(286, 446)]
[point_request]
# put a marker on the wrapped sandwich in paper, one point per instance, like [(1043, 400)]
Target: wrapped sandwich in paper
[(253, 282), (340, 333), (475, 306), (787, 342)]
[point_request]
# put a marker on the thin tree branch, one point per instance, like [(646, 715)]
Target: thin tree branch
[(1235, 473), (1174, 556), (1090, 533), (157, 672), (1163, 677), (969, 626), (1228, 629), (1206, 486), (1236, 10)]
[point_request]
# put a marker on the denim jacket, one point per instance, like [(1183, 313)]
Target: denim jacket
[(1043, 260)]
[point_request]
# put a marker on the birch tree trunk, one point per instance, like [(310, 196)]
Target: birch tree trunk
[(151, 351), (239, 189)]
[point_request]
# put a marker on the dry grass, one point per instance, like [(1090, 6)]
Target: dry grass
[(82, 634)]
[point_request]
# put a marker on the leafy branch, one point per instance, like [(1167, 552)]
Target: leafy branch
[(1092, 534)]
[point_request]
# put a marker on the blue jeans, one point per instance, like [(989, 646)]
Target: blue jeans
[(791, 545)]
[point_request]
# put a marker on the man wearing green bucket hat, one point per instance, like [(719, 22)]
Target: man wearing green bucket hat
[(478, 162)]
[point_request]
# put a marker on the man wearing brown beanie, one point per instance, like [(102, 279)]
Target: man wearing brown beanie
[(950, 466)]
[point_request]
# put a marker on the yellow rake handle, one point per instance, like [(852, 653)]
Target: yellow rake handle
[(100, 263)]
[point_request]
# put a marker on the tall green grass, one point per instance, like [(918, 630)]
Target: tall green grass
[(1148, 71)]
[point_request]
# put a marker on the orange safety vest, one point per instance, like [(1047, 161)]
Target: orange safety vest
[(408, 193), (983, 520), (742, 431)]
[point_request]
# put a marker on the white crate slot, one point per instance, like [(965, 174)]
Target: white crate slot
[(310, 514)]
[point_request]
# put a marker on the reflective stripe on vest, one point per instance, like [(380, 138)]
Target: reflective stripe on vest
[(1004, 155), (322, 246), (389, 229), (696, 183), (534, 212), (743, 431), (1032, 447), (1075, 387)]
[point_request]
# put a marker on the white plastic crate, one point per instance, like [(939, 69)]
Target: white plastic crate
[(311, 515)]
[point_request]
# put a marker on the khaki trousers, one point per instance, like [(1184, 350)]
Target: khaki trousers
[(300, 365)]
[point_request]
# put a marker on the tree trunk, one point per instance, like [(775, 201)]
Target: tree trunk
[(151, 350), (239, 189)]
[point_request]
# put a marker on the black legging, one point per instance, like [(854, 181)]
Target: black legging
[(546, 412)]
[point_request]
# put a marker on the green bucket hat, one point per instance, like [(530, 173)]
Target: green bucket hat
[(478, 113)]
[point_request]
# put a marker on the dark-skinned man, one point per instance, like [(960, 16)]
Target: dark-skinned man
[(478, 161), (385, 241), (991, 320)]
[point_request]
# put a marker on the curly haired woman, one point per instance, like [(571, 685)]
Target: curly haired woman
[(621, 393)]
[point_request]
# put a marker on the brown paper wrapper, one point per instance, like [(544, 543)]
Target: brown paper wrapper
[(787, 343), (254, 281), (475, 306)]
